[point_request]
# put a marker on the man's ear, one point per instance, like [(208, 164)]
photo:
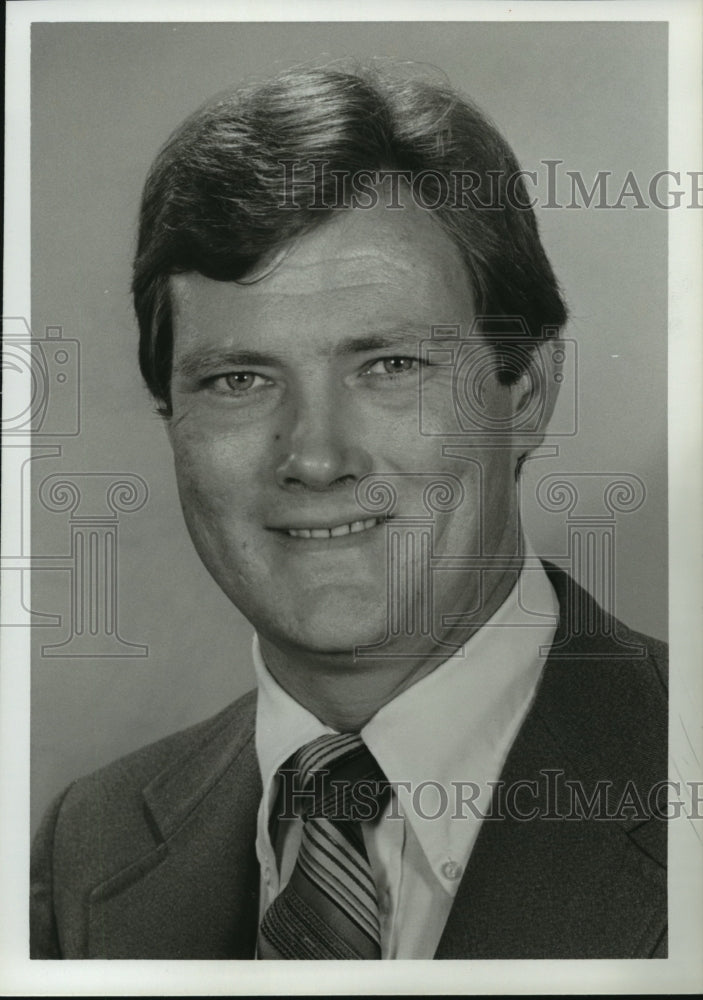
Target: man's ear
[(534, 396), (164, 412)]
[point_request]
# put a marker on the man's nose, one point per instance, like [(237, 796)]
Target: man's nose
[(322, 446)]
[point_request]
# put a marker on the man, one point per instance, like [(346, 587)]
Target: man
[(335, 271)]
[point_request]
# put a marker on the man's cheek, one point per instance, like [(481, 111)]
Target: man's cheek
[(203, 463), (205, 497)]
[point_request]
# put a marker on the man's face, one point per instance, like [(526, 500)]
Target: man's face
[(288, 390)]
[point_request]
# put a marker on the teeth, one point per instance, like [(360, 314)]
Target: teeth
[(342, 529)]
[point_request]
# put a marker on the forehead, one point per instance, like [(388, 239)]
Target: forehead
[(363, 266)]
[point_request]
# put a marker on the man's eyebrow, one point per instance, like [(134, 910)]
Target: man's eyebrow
[(384, 338)]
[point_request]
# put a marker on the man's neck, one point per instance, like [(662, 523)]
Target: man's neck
[(345, 691)]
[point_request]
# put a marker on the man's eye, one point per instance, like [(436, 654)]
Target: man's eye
[(238, 383), (392, 366)]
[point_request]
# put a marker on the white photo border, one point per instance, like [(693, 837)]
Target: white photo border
[(682, 972)]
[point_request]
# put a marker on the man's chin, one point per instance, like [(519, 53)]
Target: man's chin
[(334, 624)]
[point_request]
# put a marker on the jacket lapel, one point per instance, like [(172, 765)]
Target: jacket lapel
[(195, 895), (553, 887)]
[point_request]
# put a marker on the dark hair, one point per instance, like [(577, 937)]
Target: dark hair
[(216, 201)]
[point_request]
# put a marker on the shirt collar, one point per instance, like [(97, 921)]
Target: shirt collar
[(283, 725)]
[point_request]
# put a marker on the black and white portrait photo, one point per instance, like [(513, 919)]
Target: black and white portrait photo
[(351, 530)]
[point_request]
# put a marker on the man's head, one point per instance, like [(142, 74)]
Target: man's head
[(286, 347), (221, 194)]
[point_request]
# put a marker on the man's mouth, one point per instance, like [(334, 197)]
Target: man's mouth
[(350, 528)]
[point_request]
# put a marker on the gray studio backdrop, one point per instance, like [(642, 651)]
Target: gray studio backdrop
[(104, 98)]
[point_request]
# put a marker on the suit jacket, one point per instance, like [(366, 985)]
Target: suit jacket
[(153, 856)]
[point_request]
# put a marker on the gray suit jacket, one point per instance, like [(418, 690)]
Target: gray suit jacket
[(153, 856)]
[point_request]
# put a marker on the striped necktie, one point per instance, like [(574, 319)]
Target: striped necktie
[(328, 909)]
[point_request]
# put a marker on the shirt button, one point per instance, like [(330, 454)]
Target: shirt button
[(452, 870), (384, 902)]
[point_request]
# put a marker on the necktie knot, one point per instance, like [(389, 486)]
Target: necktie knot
[(335, 777)]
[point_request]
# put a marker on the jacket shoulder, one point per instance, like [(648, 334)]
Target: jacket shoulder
[(101, 823), (587, 630), (114, 785), (656, 651), (146, 762)]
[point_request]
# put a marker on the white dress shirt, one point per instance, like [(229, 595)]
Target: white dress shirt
[(441, 741)]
